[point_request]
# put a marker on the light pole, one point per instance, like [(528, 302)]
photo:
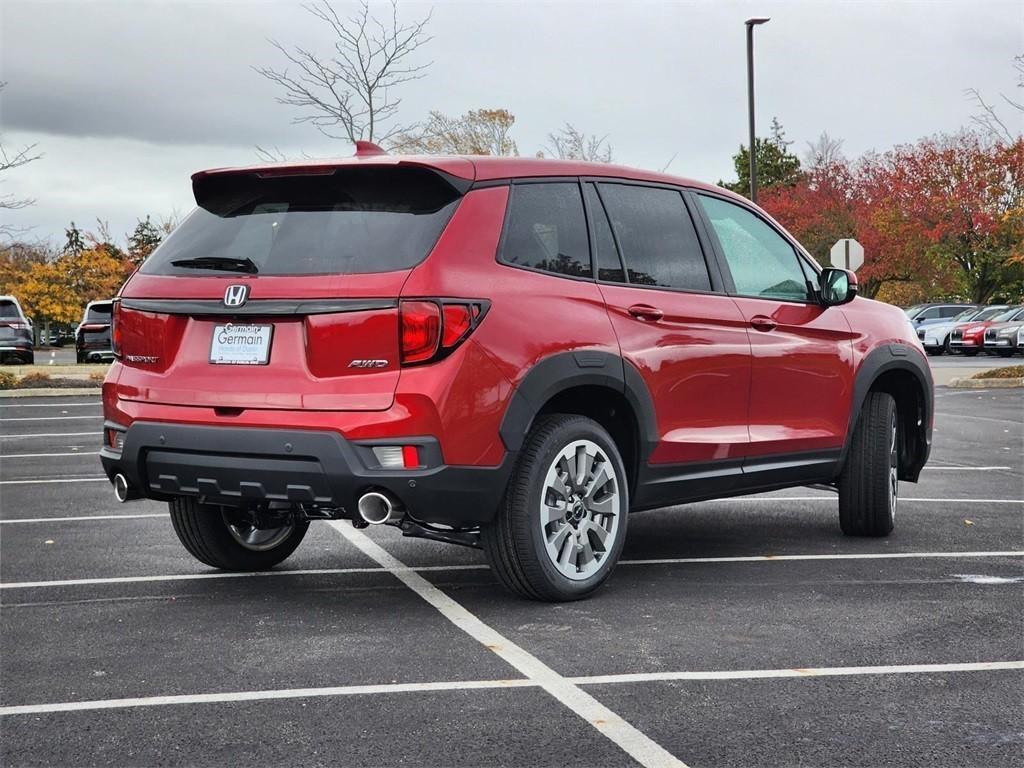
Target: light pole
[(751, 23)]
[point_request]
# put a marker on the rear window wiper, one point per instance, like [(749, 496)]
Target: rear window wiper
[(225, 263)]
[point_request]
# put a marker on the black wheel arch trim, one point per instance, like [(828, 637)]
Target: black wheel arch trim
[(581, 367), (880, 361)]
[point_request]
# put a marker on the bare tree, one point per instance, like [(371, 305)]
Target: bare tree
[(351, 94), (823, 152), (478, 132), (9, 160), (570, 143), (988, 118)]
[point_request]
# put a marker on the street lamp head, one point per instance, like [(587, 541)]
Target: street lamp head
[(757, 20)]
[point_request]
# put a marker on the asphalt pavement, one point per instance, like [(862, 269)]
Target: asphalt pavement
[(745, 632)]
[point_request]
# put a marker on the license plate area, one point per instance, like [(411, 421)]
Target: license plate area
[(237, 344)]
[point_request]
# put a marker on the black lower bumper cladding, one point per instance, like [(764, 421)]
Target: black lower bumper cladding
[(242, 465)]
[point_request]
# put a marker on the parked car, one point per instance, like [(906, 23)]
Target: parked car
[(16, 342), (927, 314), (92, 338), (1001, 337), (935, 338), (968, 338), (509, 353)]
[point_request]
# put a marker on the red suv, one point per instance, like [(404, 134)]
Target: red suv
[(504, 353)]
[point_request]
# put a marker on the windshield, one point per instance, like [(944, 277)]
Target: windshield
[(967, 314), (988, 313), (351, 221), (915, 310), (9, 310), (1007, 315)]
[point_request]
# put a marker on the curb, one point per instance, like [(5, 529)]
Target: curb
[(960, 383), (50, 392)]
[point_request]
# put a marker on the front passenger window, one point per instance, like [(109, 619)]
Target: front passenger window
[(762, 262)]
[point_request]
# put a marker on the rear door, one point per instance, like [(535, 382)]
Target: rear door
[(281, 291), (802, 376), (687, 339)]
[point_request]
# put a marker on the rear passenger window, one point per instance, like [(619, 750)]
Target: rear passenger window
[(657, 237), (606, 255), (547, 230)]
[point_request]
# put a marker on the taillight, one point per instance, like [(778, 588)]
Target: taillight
[(432, 328), (421, 330), (115, 328), (17, 326)]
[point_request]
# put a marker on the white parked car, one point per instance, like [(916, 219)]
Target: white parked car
[(935, 337)]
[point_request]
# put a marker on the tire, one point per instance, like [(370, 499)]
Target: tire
[(205, 533), (523, 551), (946, 347), (868, 483)]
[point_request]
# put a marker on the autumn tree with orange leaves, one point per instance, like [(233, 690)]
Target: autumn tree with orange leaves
[(942, 217)]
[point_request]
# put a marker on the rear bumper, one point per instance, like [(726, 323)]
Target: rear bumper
[(244, 465), (22, 350)]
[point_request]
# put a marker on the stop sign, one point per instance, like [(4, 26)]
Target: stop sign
[(847, 254)]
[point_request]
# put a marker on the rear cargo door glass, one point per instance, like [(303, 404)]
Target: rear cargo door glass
[(350, 221)]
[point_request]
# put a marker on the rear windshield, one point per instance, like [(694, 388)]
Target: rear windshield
[(98, 313), (9, 310), (351, 221)]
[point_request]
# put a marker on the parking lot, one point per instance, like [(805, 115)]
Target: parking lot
[(739, 632)]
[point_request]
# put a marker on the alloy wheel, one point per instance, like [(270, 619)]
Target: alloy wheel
[(258, 539), (894, 480), (580, 509)]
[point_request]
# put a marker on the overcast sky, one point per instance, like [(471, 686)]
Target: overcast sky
[(127, 99)]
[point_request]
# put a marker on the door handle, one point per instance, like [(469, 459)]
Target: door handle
[(762, 323), (645, 312)]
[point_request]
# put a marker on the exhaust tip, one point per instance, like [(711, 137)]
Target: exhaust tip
[(375, 508), (121, 492)]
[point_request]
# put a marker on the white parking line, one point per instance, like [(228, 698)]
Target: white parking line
[(94, 433), (832, 556), (964, 469), (478, 566), (634, 743), (762, 674), (96, 404), (470, 685), (6, 456), (78, 518), (56, 480), (52, 418), (902, 499)]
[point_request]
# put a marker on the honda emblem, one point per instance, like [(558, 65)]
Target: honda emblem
[(236, 295)]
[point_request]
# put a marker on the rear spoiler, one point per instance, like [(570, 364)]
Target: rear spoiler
[(458, 172)]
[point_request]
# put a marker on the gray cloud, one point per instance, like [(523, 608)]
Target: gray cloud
[(158, 89)]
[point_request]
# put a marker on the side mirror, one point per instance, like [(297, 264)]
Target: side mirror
[(837, 286)]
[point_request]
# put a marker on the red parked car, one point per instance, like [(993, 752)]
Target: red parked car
[(515, 354), (969, 338)]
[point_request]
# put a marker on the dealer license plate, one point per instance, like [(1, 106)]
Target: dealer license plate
[(241, 344)]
